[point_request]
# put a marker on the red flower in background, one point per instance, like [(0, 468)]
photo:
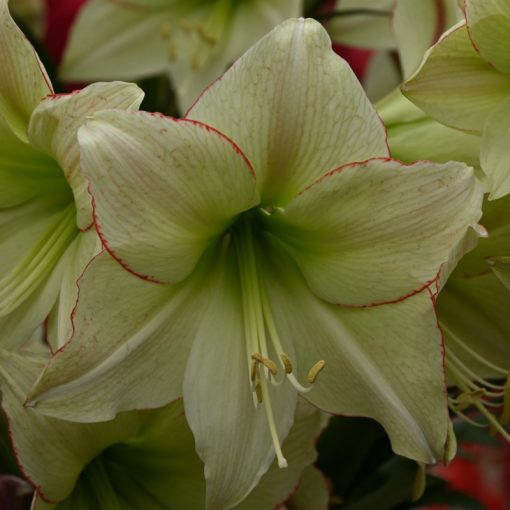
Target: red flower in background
[(60, 16), (482, 472), (358, 58)]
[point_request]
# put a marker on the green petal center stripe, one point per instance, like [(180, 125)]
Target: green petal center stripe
[(19, 283)]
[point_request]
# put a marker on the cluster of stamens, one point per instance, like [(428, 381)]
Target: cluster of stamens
[(261, 337), (489, 397), (288, 369), (192, 28)]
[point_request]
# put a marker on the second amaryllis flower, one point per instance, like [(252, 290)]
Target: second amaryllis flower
[(237, 232)]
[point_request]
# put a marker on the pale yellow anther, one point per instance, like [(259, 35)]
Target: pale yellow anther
[(258, 392), (185, 25), (467, 399), (286, 363), (269, 364), (254, 366), (195, 62), (315, 371), (166, 30), (206, 36), (171, 51)]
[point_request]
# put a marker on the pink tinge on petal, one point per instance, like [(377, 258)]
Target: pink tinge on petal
[(60, 15), (357, 58)]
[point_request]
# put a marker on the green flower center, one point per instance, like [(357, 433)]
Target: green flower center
[(46, 200)]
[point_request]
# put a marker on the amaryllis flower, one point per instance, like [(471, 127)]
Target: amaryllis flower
[(140, 460), (465, 83), (45, 210), (192, 41), (264, 246)]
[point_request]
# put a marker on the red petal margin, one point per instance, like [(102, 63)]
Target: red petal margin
[(433, 284), (97, 222)]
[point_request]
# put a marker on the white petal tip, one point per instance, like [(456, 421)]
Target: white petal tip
[(481, 230)]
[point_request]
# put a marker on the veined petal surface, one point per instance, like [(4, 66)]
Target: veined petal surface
[(383, 362), (377, 231), (105, 367), (81, 251), (495, 150), (455, 85), (168, 185), (194, 63), (294, 108), (299, 450), (54, 126), (24, 81), (363, 30), (112, 41), (489, 26)]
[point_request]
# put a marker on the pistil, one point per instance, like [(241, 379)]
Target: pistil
[(261, 336)]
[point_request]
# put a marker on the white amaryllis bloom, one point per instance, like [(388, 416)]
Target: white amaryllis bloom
[(194, 41), (275, 250), (46, 237), (140, 460)]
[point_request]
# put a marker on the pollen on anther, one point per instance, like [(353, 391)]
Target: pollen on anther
[(254, 370), (268, 363), (315, 371), (258, 391), (286, 363)]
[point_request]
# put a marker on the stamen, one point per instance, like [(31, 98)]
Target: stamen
[(467, 399), (282, 461), (258, 392), (269, 364), (287, 365), (171, 50), (166, 30), (316, 370), (254, 367), (471, 352), (505, 415)]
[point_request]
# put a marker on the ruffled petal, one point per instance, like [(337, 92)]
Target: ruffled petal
[(51, 453), (455, 85), (163, 189), (384, 362), (54, 126), (24, 81), (104, 368), (378, 231), (489, 27)]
